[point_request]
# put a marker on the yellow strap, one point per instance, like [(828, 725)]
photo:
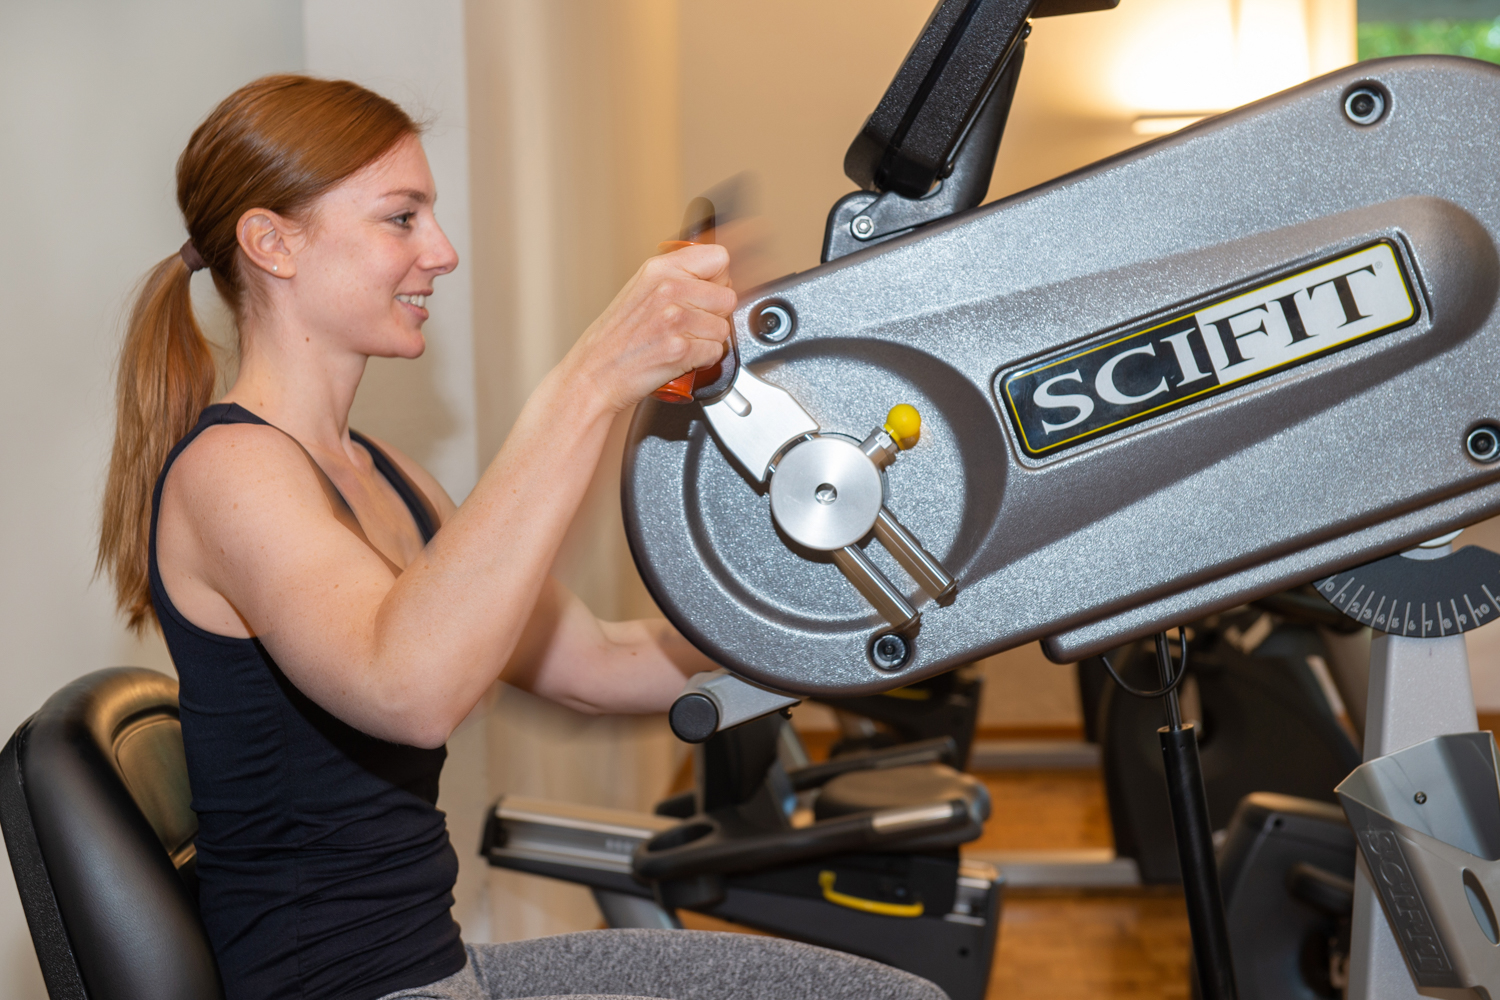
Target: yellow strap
[(826, 880)]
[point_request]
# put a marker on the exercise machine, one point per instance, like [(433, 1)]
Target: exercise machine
[(1287, 866), (1241, 358), (946, 705), (859, 853), (1257, 690)]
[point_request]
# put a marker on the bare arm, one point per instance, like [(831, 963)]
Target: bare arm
[(405, 658), (571, 657), (568, 655)]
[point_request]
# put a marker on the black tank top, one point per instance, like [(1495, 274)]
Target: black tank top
[(324, 865)]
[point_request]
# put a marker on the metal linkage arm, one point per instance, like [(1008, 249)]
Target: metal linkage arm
[(720, 700), (864, 218), (909, 141)]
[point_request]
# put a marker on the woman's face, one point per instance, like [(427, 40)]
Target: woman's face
[(366, 260)]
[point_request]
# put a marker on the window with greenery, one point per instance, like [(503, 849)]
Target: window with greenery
[(1476, 39), (1429, 27)]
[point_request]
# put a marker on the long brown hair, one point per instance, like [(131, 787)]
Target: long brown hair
[(277, 143)]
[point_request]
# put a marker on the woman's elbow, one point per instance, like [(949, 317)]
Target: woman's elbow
[(430, 738), (427, 730), (578, 701), (581, 698)]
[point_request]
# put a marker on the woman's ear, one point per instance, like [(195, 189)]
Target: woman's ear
[(264, 238)]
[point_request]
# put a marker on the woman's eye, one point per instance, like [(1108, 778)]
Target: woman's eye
[(404, 219)]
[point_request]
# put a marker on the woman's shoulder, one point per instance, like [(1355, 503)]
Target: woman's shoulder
[(236, 462)]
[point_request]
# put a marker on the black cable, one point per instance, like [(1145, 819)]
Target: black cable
[(1163, 692)]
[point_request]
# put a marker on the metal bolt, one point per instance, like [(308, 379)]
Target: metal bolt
[(1420, 798), (1483, 443), (1364, 106), (772, 322), (889, 651), (863, 227)]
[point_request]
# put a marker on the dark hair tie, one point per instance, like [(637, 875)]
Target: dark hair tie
[(191, 257)]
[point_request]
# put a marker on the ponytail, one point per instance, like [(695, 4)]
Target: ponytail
[(166, 377), (277, 143)]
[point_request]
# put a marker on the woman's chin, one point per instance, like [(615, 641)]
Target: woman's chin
[(409, 346)]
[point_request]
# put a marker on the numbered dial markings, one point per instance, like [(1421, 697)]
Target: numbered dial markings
[(1425, 598)]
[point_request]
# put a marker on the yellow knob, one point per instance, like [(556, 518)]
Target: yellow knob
[(904, 424)]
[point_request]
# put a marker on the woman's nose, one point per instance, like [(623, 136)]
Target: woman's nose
[(440, 257)]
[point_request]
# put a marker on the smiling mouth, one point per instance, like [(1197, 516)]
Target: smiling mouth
[(412, 300)]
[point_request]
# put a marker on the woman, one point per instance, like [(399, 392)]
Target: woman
[(332, 614)]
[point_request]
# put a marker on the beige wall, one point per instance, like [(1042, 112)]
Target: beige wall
[(96, 101)]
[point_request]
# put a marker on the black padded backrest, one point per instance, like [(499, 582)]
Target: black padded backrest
[(94, 803)]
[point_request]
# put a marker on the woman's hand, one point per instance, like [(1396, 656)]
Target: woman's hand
[(670, 318)]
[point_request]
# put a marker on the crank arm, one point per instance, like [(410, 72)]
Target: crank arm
[(827, 493), (754, 420)]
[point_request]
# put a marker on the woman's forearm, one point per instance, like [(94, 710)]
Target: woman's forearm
[(632, 667)]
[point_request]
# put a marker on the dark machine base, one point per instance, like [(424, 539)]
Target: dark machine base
[(954, 950), (874, 870), (1287, 867)]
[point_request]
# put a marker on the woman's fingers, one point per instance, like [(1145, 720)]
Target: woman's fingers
[(670, 319), (707, 261), (706, 335), (672, 284)]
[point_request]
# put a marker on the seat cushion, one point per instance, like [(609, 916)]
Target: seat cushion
[(899, 787), (86, 767)]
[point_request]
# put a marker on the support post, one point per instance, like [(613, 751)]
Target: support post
[(1419, 688)]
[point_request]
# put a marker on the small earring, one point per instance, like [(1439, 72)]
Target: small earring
[(275, 268)]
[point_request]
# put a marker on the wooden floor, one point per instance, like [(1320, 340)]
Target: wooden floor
[(1071, 946), (1065, 945), (1074, 945), (1040, 810)]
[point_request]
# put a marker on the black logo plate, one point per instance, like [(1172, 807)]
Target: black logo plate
[(1074, 397)]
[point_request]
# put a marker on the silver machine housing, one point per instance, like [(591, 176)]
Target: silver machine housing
[(1342, 458)]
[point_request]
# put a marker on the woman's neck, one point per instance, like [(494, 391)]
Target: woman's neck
[(303, 387)]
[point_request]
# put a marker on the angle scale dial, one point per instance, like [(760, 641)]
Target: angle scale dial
[(1420, 597)]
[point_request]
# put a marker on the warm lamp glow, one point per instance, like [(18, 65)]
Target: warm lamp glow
[(1208, 54), (1271, 50), (1163, 124), (1181, 57)]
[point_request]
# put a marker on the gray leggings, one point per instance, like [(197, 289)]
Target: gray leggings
[(669, 965)]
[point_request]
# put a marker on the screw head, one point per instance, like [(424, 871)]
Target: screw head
[(1420, 798), (1364, 105), (863, 227), (1483, 443), (773, 322), (889, 651)]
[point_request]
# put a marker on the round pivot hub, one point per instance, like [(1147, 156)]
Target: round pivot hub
[(826, 494)]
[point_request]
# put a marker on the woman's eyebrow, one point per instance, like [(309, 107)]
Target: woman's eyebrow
[(420, 197)]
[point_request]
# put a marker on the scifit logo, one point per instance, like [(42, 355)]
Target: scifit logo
[(1070, 398)]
